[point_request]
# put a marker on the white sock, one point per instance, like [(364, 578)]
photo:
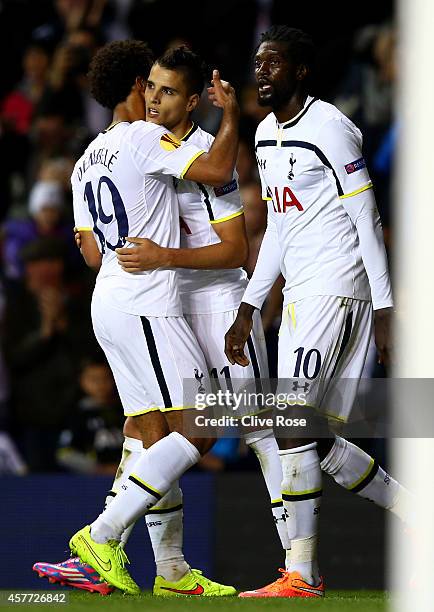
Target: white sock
[(131, 453), (154, 473), (165, 527), (301, 494), (165, 523), (264, 445), (355, 470)]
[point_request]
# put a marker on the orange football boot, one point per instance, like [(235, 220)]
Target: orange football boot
[(290, 584)]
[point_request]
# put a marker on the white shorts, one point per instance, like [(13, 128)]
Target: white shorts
[(323, 343), (210, 330), (149, 356)]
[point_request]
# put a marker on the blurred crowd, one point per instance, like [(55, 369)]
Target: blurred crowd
[(59, 409)]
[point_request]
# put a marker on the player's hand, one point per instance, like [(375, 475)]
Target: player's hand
[(383, 335), (237, 334), (77, 237), (222, 94), (146, 255)]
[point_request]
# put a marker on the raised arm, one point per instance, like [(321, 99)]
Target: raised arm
[(216, 167)]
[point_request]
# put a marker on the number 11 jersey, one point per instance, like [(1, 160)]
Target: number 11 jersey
[(123, 186)]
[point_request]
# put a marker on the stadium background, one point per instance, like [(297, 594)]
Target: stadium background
[(60, 420)]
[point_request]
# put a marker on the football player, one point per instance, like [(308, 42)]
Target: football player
[(324, 235), (123, 184)]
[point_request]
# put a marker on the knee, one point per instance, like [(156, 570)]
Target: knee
[(203, 445), (130, 429), (149, 428)]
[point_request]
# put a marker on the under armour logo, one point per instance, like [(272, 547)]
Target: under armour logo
[(296, 386), (292, 161), (199, 377), (283, 517), (262, 163)]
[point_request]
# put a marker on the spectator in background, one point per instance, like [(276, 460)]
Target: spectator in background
[(367, 98), (92, 441), (58, 170), (51, 138), (46, 209), (68, 90), (246, 163), (46, 332), (19, 105), (11, 462), (366, 95), (224, 453), (17, 110), (71, 15)]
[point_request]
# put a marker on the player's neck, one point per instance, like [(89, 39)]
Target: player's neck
[(291, 108), (130, 110), (182, 128)]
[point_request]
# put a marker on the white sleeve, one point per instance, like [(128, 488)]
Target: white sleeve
[(82, 218), (340, 150), (225, 202), (340, 143), (363, 212), (267, 267), (156, 151)]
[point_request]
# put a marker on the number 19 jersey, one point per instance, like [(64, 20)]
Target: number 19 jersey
[(123, 186)]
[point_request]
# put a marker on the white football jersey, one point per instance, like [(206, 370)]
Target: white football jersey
[(307, 166), (201, 207), (123, 186)]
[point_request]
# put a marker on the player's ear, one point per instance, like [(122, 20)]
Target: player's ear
[(192, 103), (302, 72), (140, 83)]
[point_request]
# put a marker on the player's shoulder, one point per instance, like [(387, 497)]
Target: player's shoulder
[(79, 163), (199, 137), (139, 129), (327, 115), (267, 125), (144, 135)]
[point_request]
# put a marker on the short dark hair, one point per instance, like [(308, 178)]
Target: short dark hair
[(300, 46), (114, 69), (182, 59)]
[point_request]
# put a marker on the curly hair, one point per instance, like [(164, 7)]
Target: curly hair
[(300, 47), (184, 60), (114, 69)]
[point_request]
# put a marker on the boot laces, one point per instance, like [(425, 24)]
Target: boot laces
[(284, 575)]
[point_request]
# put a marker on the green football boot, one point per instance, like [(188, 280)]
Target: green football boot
[(107, 559), (194, 583)]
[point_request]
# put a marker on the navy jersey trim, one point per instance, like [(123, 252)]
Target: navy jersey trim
[(369, 478), (301, 144), (206, 200), (295, 121), (255, 364), (192, 131), (156, 363), (345, 339), (266, 143)]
